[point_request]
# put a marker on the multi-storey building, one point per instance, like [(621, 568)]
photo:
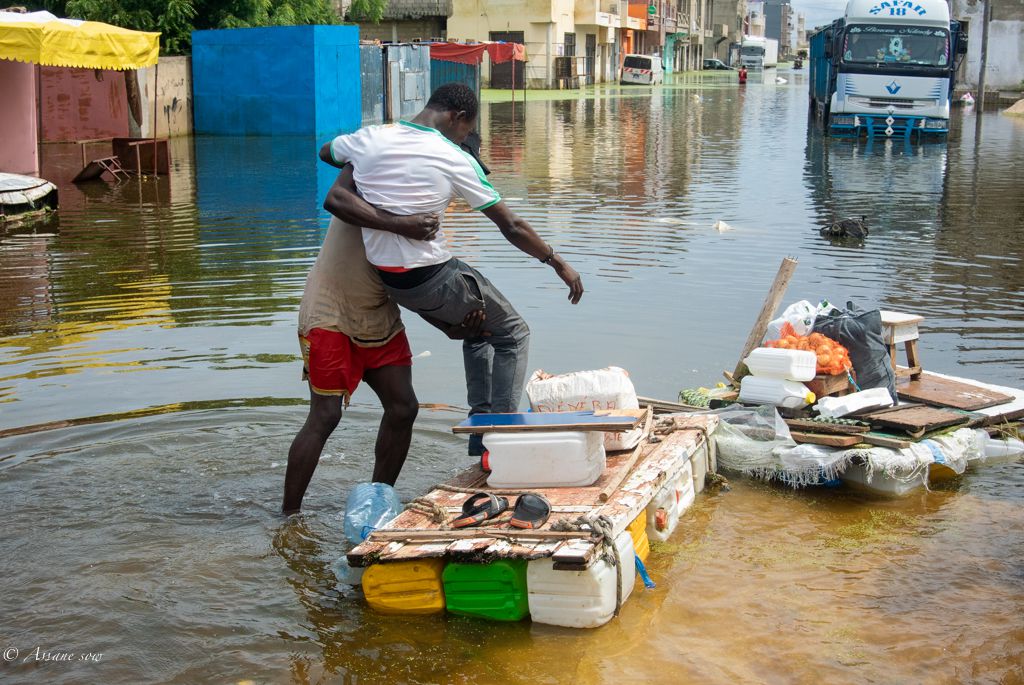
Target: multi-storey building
[(778, 15), (726, 26), (568, 42)]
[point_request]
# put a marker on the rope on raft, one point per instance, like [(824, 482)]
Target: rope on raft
[(433, 510), (603, 526)]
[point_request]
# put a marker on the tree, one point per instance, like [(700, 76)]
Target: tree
[(176, 19)]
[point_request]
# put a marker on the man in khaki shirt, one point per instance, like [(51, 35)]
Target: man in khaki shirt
[(350, 330)]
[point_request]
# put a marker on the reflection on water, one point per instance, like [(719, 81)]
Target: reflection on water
[(150, 330)]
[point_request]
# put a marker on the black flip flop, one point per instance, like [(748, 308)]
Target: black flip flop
[(480, 507), (531, 511)]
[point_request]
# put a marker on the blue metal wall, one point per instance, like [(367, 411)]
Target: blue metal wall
[(282, 80), (442, 72), (371, 65)]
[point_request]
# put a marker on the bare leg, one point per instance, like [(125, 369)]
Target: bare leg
[(304, 454), (393, 385)]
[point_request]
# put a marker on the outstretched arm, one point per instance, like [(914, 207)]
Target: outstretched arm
[(518, 232), (345, 203)]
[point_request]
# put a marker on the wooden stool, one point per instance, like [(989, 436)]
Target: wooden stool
[(902, 328)]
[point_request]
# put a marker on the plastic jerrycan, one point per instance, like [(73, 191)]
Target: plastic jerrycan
[(781, 393), (581, 599), (405, 587)]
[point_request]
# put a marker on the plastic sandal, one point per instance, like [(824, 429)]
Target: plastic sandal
[(531, 511), (480, 507)]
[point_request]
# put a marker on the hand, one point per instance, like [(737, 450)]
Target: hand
[(570, 278), (471, 327), (418, 226)]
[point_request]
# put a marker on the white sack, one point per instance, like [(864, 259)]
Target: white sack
[(608, 388)]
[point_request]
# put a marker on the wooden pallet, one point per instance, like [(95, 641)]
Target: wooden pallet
[(915, 421), (640, 475), (946, 392)]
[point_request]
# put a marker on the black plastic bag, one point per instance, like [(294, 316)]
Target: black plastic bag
[(860, 332)]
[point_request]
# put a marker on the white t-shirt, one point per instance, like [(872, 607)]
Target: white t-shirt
[(405, 169)]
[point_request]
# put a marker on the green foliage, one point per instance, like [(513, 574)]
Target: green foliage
[(367, 10), (176, 19)]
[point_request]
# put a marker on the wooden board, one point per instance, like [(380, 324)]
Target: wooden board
[(823, 386), (829, 440), (808, 426), (881, 440), (548, 422), (915, 421), (944, 392)]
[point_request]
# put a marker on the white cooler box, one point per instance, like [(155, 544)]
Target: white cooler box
[(544, 460)]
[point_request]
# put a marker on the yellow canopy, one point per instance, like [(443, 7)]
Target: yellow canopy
[(42, 38)]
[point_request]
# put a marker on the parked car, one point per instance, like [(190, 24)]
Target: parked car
[(716, 64), (643, 69)]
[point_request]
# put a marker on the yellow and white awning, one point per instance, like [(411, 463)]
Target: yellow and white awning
[(42, 38)]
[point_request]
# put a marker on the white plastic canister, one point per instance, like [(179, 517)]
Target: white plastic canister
[(668, 505), (544, 460), (794, 365), (760, 390), (580, 599)]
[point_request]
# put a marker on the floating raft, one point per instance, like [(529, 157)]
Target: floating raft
[(630, 481)]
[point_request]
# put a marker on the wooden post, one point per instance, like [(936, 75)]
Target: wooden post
[(156, 78), (771, 303), (986, 19)]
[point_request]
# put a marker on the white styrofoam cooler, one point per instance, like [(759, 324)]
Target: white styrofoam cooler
[(579, 599), (544, 460)]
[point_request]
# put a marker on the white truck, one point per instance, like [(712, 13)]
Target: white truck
[(758, 52), (887, 67)]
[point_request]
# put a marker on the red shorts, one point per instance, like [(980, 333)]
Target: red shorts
[(334, 364)]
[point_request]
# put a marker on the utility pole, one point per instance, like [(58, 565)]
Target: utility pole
[(987, 18)]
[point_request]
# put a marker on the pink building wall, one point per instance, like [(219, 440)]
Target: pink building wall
[(79, 104), (19, 142)]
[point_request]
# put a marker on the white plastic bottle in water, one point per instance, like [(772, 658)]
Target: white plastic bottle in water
[(349, 575), (760, 390), (369, 506)]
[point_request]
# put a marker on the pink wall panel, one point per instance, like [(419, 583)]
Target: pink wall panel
[(19, 144), (79, 104)]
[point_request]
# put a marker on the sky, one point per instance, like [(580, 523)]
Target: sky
[(819, 12)]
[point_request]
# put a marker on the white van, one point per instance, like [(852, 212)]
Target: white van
[(643, 69)]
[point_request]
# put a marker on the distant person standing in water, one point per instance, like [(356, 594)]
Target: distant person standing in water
[(417, 166), (743, 74)]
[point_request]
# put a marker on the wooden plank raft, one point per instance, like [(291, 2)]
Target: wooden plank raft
[(414, 534)]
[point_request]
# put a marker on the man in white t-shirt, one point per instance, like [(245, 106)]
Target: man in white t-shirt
[(416, 167)]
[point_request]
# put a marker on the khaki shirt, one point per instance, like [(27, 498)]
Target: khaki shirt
[(344, 293)]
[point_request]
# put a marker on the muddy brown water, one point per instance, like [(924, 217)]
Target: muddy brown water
[(153, 325)]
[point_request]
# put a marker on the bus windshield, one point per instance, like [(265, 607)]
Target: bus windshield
[(878, 43)]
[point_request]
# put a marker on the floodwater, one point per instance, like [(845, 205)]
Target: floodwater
[(151, 329)]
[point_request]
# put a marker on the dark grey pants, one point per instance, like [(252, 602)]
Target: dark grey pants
[(495, 364)]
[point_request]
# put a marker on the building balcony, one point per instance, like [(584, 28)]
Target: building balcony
[(598, 13)]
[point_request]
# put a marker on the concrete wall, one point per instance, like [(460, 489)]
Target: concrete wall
[(174, 98), (78, 104), (282, 80), (403, 31), (1005, 43), (19, 143)]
